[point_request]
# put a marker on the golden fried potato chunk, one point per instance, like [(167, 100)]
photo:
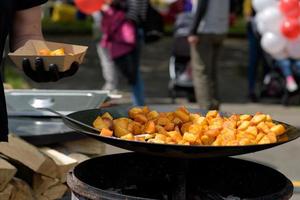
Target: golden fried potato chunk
[(107, 115), (278, 129), (134, 111), (100, 124), (258, 118), (152, 115), (140, 118), (176, 136), (189, 137), (106, 132), (149, 127), (183, 116)]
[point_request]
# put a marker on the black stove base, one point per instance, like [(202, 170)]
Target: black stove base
[(133, 176)]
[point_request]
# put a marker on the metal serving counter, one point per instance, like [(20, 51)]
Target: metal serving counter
[(42, 127)]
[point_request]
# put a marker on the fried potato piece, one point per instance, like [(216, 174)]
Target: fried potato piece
[(189, 137), (206, 140), (100, 124), (263, 127), (185, 127), (162, 121), (107, 115), (58, 52), (140, 118), (245, 117), (212, 133), (177, 121), (252, 130), (134, 111), (258, 118), (176, 136), (194, 117), (106, 132), (278, 129), (44, 52), (120, 127), (137, 128), (244, 125), (160, 129), (169, 126), (183, 116), (128, 136), (212, 113), (120, 132), (152, 115), (145, 110), (265, 140), (149, 127)]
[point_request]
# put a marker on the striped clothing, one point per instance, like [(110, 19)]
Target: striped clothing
[(137, 10)]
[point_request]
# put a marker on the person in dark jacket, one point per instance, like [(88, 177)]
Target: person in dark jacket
[(21, 20)]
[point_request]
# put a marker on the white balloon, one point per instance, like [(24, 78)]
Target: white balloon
[(261, 27), (281, 55), (273, 43), (259, 5), (270, 18), (293, 48)]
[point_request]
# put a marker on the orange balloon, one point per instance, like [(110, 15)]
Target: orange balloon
[(89, 6)]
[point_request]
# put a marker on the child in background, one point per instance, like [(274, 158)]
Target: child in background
[(121, 37), (287, 67), (109, 71)]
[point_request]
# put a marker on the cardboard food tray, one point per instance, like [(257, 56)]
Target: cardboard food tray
[(32, 47)]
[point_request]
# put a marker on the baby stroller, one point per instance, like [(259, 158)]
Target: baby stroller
[(180, 69), (274, 83)]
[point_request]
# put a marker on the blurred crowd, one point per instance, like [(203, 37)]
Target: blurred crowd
[(198, 29)]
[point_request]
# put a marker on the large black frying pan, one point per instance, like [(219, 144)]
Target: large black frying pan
[(181, 151)]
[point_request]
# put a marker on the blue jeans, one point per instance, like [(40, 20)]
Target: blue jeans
[(297, 68), (285, 66), (138, 91), (255, 55), (288, 66)]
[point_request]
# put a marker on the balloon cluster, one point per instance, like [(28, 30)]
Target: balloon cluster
[(89, 6), (279, 24)]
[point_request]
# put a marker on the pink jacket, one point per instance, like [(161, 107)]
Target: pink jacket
[(119, 35)]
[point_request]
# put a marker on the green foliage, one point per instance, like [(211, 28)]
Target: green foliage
[(13, 78), (239, 28), (61, 27)]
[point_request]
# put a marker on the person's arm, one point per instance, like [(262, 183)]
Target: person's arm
[(200, 12), (132, 10), (26, 26)]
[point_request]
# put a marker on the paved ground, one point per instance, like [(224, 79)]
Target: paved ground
[(232, 86)]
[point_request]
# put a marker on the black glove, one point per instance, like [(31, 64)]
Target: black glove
[(41, 75)]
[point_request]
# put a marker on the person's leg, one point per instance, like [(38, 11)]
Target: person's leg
[(296, 68), (201, 56), (253, 54), (138, 91), (213, 72), (110, 74), (138, 96), (285, 66)]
